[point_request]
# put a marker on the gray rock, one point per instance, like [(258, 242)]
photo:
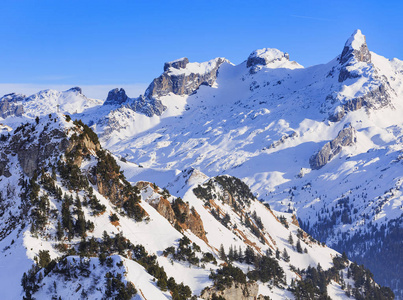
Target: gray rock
[(76, 89), (177, 64), (181, 84), (350, 55), (32, 153), (116, 97), (265, 56), (149, 107), (377, 98), (11, 105), (345, 137), (248, 291)]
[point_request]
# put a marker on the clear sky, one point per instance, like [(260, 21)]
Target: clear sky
[(57, 43)]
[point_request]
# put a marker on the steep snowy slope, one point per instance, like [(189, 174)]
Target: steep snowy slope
[(69, 207)]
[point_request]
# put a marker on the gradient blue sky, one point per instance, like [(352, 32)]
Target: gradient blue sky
[(121, 43)]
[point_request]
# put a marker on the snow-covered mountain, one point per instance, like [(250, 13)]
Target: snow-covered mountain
[(323, 143), (69, 208)]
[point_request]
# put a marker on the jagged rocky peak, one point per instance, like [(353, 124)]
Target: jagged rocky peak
[(270, 58), (356, 47), (177, 64), (265, 56), (76, 89), (116, 96), (181, 77)]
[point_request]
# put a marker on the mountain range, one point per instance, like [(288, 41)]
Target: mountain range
[(215, 158)]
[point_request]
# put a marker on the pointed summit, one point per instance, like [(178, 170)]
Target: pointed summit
[(356, 47)]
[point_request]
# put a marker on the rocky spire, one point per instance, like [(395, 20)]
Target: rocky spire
[(355, 50), (116, 96), (356, 47)]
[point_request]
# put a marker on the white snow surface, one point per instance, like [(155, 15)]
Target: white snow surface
[(356, 40)]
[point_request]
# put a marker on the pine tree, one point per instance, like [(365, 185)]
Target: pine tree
[(286, 257), (290, 239), (231, 254), (249, 255), (299, 248), (222, 254), (59, 231)]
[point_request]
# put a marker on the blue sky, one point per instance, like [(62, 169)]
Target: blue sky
[(125, 43)]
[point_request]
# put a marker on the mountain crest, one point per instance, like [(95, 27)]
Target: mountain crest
[(116, 96), (266, 56), (177, 64), (356, 47), (183, 78)]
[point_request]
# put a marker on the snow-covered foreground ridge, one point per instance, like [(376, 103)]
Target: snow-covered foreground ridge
[(323, 143), (70, 209)]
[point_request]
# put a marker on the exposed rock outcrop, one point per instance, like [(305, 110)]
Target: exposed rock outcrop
[(271, 58), (282, 140), (177, 212), (345, 137), (265, 56), (377, 98), (183, 78), (76, 89), (32, 152), (149, 107), (10, 105), (116, 97), (355, 50), (236, 291), (177, 64)]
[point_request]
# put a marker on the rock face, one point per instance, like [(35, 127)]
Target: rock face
[(76, 89), (181, 215), (116, 97), (265, 56), (177, 64), (32, 153), (183, 78), (10, 105), (238, 291), (377, 98), (355, 50), (149, 107), (345, 137)]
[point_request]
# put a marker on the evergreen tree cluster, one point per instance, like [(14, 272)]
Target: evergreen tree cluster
[(186, 251), (238, 190)]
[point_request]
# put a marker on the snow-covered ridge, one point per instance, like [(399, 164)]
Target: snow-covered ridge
[(271, 58), (195, 67)]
